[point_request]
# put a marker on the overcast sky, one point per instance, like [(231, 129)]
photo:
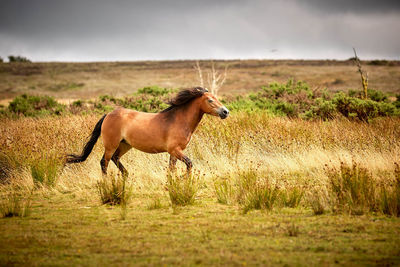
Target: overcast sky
[(97, 30)]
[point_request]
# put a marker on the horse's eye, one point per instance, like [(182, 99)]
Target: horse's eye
[(210, 100)]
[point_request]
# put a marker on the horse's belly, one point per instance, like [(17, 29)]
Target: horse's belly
[(145, 132), (148, 145)]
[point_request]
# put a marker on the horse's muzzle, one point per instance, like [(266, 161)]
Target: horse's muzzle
[(223, 112)]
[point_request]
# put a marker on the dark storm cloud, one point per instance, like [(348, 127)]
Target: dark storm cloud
[(135, 30), (355, 6)]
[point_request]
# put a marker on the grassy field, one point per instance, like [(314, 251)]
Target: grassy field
[(67, 223), (265, 190)]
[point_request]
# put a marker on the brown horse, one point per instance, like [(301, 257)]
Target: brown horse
[(168, 131)]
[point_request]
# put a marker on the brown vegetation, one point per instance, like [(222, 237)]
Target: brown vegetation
[(88, 80)]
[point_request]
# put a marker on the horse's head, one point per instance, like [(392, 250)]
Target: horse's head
[(211, 105)]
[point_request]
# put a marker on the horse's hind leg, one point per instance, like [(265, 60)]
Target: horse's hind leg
[(121, 150), (106, 159), (172, 163), (103, 165)]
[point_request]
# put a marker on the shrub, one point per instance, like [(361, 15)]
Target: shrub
[(397, 102), (114, 190), (296, 99), (78, 103), (12, 58), (33, 106), (323, 109), (277, 90), (354, 107), (286, 109), (374, 95), (377, 62), (147, 99), (154, 91), (182, 190), (377, 95)]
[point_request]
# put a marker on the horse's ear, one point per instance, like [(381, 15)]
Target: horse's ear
[(201, 89)]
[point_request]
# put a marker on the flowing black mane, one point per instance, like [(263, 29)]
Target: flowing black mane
[(185, 96)]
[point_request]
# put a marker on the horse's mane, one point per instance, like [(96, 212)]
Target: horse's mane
[(185, 96)]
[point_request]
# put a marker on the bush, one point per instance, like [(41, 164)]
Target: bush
[(277, 90), (154, 91), (296, 99), (397, 102), (377, 62), (352, 107), (323, 109), (33, 106), (147, 99), (17, 59), (377, 96)]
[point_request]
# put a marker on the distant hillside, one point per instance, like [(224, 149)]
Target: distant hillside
[(88, 80)]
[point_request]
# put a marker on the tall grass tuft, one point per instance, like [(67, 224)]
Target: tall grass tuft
[(44, 171), (317, 201), (292, 196), (182, 190), (255, 193), (224, 191), (15, 204), (8, 165), (390, 195), (154, 204), (353, 189), (114, 190)]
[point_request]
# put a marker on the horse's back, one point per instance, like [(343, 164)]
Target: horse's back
[(143, 131)]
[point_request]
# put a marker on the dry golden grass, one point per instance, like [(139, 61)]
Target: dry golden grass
[(290, 149)]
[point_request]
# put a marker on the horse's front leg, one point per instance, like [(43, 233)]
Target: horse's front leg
[(172, 164), (178, 154)]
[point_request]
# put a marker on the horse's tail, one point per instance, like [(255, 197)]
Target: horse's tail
[(89, 145)]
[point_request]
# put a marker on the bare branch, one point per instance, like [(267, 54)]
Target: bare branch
[(364, 75), (197, 67), (214, 79)]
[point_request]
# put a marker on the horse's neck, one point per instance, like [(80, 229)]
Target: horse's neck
[(192, 116)]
